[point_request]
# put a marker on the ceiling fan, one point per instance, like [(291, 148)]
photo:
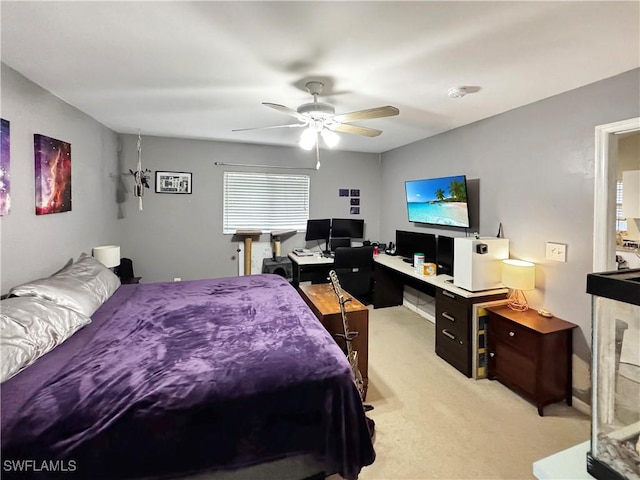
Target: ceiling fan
[(320, 119)]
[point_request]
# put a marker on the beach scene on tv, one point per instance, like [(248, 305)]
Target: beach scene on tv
[(440, 201)]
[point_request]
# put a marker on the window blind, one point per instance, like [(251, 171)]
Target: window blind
[(265, 201), (621, 221)]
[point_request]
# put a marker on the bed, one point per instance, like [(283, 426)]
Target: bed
[(176, 378)]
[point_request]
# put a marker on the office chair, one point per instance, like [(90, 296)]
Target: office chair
[(354, 267)]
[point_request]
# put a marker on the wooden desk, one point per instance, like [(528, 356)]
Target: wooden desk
[(314, 268), (324, 303)]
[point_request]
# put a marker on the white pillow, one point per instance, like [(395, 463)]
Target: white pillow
[(82, 286), (31, 327)]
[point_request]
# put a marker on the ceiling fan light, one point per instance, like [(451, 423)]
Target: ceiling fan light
[(307, 139), (329, 137)]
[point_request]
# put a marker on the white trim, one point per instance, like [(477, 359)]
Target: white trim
[(604, 242), (581, 406), (604, 255)]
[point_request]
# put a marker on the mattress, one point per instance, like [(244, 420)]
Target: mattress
[(175, 378)]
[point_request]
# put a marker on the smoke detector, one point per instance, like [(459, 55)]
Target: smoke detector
[(457, 92)]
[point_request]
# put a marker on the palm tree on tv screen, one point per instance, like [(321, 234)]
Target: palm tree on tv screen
[(457, 191)]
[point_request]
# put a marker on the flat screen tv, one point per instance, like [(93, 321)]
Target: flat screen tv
[(438, 201)]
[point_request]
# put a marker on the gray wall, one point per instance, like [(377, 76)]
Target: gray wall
[(534, 169), (35, 246), (181, 235)]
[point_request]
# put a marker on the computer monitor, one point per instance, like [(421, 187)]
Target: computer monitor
[(318, 229), (444, 255), (347, 228), (339, 242), (409, 243)]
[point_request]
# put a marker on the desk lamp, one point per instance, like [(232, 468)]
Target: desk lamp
[(518, 275)]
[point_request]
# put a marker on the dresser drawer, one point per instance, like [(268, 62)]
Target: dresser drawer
[(513, 368), (518, 337)]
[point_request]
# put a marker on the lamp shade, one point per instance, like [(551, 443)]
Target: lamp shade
[(108, 255), (518, 274)]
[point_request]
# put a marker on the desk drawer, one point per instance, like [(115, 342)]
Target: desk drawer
[(452, 315), (452, 311), (518, 337), (453, 349)]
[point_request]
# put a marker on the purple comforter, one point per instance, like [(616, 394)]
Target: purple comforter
[(180, 377)]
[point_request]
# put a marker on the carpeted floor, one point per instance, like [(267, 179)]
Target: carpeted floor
[(433, 422)]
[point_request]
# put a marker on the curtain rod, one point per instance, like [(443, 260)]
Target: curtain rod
[(263, 166)]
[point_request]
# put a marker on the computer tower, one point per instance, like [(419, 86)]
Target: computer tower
[(478, 262)]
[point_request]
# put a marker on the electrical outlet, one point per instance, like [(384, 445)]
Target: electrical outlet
[(556, 252), (177, 279)]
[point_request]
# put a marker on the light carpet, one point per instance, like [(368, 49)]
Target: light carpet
[(433, 422)]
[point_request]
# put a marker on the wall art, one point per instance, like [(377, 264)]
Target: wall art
[(173, 182), (5, 158), (52, 175)]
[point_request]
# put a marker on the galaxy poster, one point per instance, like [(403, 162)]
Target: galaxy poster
[(5, 157), (52, 175)]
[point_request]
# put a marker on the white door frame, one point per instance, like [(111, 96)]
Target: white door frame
[(604, 234), (604, 259)]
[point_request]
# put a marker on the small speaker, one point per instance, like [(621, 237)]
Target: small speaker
[(280, 266)]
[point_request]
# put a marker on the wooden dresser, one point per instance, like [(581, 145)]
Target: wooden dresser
[(531, 354), (324, 303)]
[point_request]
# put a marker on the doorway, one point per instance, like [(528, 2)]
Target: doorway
[(606, 166)]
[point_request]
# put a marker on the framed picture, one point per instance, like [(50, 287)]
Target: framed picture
[(355, 211), (355, 192), (343, 192), (355, 201), (5, 184), (173, 182), (52, 175)]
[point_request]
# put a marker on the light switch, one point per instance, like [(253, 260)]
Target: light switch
[(556, 252)]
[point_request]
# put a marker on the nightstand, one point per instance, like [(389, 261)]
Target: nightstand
[(131, 280), (531, 354)]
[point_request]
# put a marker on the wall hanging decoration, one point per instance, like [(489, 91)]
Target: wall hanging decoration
[(173, 182), (140, 176), (52, 175), (5, 183)]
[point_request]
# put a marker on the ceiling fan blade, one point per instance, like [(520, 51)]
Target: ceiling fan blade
[(368, 114), (293, 125), (356, 130), (283, 109)]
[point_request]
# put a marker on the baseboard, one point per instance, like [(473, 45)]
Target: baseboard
[(581, 406)]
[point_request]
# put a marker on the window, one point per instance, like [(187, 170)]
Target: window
[(621, 221), (263, 201)]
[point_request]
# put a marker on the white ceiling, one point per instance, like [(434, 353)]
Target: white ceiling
[(200, 69)]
